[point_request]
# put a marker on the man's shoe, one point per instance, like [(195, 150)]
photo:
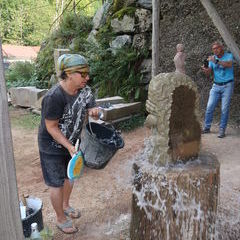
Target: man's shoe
[(221, 133), (205, 130)]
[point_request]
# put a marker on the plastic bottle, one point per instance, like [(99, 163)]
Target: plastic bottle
[(35, 234)]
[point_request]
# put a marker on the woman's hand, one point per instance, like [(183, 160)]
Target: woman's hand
[(55, 132), (94, 112), (71, 149)]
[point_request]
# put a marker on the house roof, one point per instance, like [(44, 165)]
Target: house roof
[(20, 52)]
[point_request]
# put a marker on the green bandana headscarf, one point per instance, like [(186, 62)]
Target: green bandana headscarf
[(72, 62)]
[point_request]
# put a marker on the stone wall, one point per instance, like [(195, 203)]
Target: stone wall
[(187, 22)]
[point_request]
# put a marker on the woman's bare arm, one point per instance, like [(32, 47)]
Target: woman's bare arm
[(55, 132)]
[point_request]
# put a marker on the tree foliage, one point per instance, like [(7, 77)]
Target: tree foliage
[(73, 31), (25, 22), (20, 74), (111, 73)]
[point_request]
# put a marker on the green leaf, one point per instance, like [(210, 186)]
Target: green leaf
[(137, 93)]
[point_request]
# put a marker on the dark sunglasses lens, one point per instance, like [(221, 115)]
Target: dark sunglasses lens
[(84, 74)]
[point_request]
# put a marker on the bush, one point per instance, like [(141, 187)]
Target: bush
[(111, 73), (20, 74), (117, 74), (72, 29)]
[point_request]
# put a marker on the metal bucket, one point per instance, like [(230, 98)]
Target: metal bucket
[(99, 144), (36, 216)]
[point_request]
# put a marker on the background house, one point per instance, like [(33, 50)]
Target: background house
[(14, 53)]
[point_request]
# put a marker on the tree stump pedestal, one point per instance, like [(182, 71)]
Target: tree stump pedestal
[(177, 202)]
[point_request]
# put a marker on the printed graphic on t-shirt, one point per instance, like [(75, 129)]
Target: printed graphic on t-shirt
[(73, 117)]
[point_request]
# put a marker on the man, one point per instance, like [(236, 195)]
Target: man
[(64, 109), (221, 66)]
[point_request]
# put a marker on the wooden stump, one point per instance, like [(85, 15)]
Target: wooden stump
[(177, 202)]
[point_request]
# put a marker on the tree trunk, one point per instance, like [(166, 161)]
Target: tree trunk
[(74, 7), (11, 226), (178, 202)]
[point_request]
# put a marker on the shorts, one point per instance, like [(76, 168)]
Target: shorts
[(54, 168)]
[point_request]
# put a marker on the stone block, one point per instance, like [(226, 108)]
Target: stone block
[(109, 100), (26, 96), (121, 110)]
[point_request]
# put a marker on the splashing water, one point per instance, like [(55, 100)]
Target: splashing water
[(161, 194), (187, 210)]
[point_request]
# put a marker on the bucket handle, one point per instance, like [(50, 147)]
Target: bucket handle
[(90, 126), (100, 117)]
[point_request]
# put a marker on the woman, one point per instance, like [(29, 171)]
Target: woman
[(64, 109)]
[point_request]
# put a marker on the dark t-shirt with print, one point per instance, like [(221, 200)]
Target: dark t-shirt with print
[(71, 112)]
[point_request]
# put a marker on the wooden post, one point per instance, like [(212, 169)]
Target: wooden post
[(11, 226), (228, 39), (155, 36)]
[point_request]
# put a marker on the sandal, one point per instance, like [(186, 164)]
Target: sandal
[(73, 213), (67, 224)]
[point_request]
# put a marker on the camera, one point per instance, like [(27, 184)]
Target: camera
[(205, 63)]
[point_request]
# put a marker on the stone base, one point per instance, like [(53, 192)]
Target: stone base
[(178, 202)]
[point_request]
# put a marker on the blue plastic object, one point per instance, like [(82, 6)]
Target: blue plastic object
[(75, 166)]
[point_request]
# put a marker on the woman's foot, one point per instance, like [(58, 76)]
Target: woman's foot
[(67, 227), (71, 212)]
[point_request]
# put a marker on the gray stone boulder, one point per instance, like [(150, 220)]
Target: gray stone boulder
[(26, 96), (146, 66), (92, 37), (144, 20), (100, 16), (146, 69), (125, 25), (145, 3), (139, 41), (120, 41)]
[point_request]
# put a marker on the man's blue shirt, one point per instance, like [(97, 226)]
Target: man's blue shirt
[(222, 74)]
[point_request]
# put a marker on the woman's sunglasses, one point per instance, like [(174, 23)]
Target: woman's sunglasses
[(83, 74)]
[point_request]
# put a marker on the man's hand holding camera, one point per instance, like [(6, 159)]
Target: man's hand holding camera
[(205, 68)]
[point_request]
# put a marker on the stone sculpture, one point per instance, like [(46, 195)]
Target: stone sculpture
[(179, 59), (173, 113), (175, 193)]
